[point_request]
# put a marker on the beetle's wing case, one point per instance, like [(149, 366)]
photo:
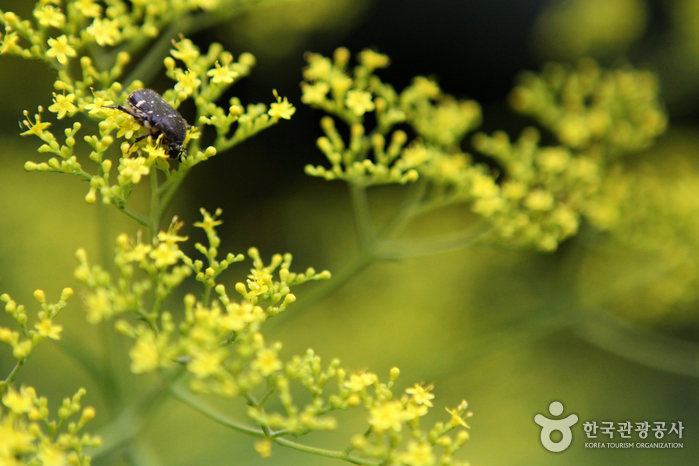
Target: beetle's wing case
[(159, 117)]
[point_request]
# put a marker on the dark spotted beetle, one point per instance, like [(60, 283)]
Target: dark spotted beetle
[(156, 115)]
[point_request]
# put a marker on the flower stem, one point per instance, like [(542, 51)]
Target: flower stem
[(214, 415)]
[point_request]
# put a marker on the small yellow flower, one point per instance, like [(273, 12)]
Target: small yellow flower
[(427, 87), (264, 448), (98, 104), (144, 354), (418, 454), (187, 81), (155, 151), (413, 411), (37, 129), (458, 414), (47, 329), (314, 93), (99, 306), (267, 362), (553, 159), (165, 255), (19, 402), (487, 206), (15, 441), (63, 104), (60, 49), (484, 186), (126, 123), (222, 74), (132, 169), (339, 84), (208, 224), (373, 60), (539, 200), (185, 50), (51, 455), (359, 102), (573, 131), (50, 16), (259, 281), (9, 43), (319, 67), (241, 314), (281, 109), (421, 395), (88, 8), (415, 155), (207, 4), (206, 363), (389, 415), (514, 190), (170, 238), (139, 253), (105, 31), (358, 382)]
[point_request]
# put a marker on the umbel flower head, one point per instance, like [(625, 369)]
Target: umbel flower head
[(29, 436), (68, 40), (220, 342), (537, 196)]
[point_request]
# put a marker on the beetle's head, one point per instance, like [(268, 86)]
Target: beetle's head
[(177, 151)]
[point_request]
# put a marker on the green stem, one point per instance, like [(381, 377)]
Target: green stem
[(214, 415), (13, 373), (169, 194), (134, 216), (206, 295), (335, 454), (407, 211), (154, 220), (416, 247), (644, 347), (106, 371), (362, 216)]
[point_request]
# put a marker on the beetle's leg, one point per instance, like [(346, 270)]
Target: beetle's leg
[(138, 139), (123, 109)]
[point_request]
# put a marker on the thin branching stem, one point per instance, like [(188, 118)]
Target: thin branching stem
[(265, 432)]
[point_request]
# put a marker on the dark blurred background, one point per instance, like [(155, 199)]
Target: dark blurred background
[(510, 331)]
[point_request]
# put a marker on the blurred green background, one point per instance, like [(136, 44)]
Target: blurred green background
[(608, 325)]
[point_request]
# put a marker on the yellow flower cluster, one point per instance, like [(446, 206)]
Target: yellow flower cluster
[(27, 436), (394, 434), (206, 78), (87, 22), (206, 325), (68, 40), (536, 195), (161, 261), (440, 121), (543, 194), (605, 113), (220, 343), (24, 341), (651, 211)]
